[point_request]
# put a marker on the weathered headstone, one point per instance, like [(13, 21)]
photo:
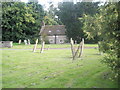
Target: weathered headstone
[(72, 47), (42, 47), (82, 47), (0, 44), (75, 42), (76, 53), (28, 41), (35, 45), (19, 42), (8, 44), (25, 41)]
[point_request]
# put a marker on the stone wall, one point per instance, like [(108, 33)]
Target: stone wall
[(8, 44)]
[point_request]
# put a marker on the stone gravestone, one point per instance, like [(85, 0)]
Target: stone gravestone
[(42, 47), (75, 42), (82, 47), (72, 47), (25, 41), (8, 44), (28, 41), (19, 41), (0, 44), (35, 45)]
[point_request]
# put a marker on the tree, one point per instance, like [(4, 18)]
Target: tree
[(21, 21), (50, 18), (68, 13), (105, 26)]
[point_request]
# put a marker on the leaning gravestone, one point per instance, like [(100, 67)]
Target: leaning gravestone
[(25, 41), (35, 45), (19, 42), (72, 47), (75, 42), (42, 47), (82, 47), (28, 41), (0, 44)]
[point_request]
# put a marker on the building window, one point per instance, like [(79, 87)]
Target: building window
[(49, 31), (61, 41), (51, 41)]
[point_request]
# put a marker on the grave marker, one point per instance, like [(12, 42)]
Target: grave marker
[(81, 48), (19, 42), (28, 41), (42, 47), (25, 41), (35, 45)]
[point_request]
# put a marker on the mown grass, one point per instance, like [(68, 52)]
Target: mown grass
[(54, 69), (22, 46)]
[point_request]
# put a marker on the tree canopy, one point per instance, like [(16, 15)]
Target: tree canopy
[(21, 20), (105, 25), (68, 13)]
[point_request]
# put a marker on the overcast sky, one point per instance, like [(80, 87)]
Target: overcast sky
[(56, 1), (45, 3)]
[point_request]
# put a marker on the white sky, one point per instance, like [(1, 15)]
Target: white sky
[(45, 3)]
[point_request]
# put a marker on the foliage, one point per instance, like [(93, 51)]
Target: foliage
[(105, 26), (45, 38), (68, 13), (21, 20), (50, 18), (49, 21)]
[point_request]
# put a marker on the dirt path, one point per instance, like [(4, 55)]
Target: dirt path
[(45, 48)]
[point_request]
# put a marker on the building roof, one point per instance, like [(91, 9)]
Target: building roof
[(53, 30)]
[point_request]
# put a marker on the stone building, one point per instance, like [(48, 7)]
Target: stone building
[(55, 34)]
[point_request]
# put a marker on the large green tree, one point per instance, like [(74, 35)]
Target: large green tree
[(21, 20), (105, 25), (50, 18), (68, 13)]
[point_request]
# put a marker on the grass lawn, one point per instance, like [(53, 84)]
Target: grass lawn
[(22, 46), (54, 69)]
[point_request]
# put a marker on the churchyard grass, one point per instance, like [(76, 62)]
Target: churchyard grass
[(54, 69), (23, 46)]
